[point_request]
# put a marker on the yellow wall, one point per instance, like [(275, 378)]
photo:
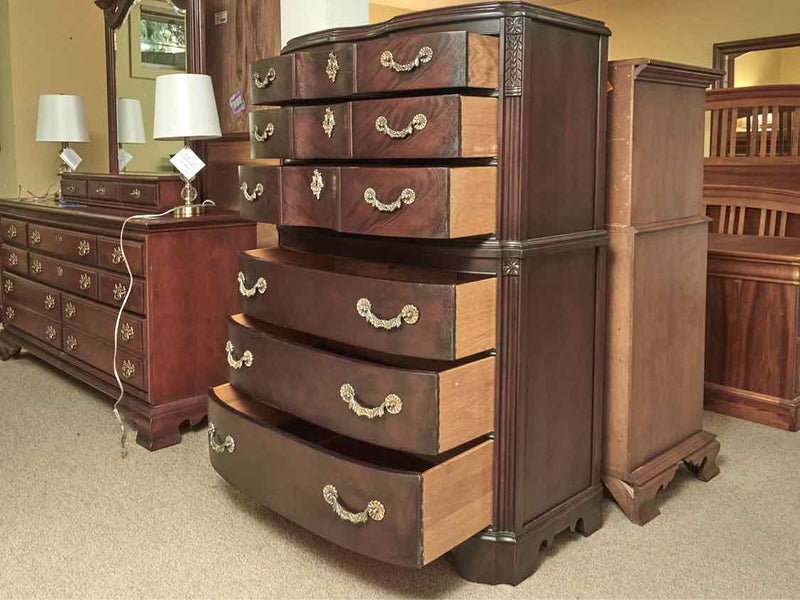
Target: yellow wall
[(53, 50), (8, 165), (381, 12), (768, 67)]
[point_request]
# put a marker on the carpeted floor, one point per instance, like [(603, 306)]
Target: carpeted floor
[(77, 521)]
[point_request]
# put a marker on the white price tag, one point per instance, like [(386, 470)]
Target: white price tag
[(188, 163), (123, 158), (71, 158)]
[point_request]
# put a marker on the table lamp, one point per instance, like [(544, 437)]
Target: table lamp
[(62, 118), (130, 127), (185, 109)]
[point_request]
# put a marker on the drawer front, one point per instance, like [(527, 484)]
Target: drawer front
[(14, 232), (260, 193), (103, 190), (100, 321), (410, 511), (74, 246), (322, 131), (65, 276), (40, 298), (110, 255), (138, 193), (416, 312), (31, 322), (113, 290), (449, 59), (310, 197), (272, 80), (132, 369), (325, 73), (14, 260), (271, 133), (449, 126), (420, 411), (76, 188)]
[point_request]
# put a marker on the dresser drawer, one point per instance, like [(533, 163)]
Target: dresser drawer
[(64, 275), (14, 232), (410, 311), (103, 190), (418, 61), (323, 73), (100, 355), (47, 330), (271, 133), (138, 193), (74, 246), (110, 255), (310, 132), (424, 407), (40, 298), (76, 188), (260, 193), (398, 508), (14, 260), (114, 288), (100, 321)]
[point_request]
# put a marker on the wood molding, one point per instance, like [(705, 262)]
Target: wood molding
[(725, 53)]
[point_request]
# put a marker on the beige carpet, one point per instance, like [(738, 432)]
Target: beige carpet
[(76, 521)]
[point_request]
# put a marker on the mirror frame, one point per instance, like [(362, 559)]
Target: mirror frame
[(115, 12), (725, 53)]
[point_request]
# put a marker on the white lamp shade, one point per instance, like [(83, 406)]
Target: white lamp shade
[(62, 118), (185, 108), (130, 126)]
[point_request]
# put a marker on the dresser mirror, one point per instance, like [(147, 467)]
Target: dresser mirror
[(144, 39)]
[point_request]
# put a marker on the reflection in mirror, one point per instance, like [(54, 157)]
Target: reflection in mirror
[(773, 66), (150, 42)]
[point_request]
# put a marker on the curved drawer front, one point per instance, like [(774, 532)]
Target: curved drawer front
[(16, 316), (110, 255), (132, 369), (423, 411), (100, 321), (14, 232), (113, 289), (72, 245), (65, 276), (271, 134), (14, 260), (425, 313), (40, 298), (260, 193), (418, 61), (409, 511)]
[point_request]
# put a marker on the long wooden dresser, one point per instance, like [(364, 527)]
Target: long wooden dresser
[(64, 278), (417, 368)]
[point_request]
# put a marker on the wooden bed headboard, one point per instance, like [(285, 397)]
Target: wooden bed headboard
[(746, 210)]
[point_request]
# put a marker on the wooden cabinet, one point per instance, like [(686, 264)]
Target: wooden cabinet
[(656, 285)]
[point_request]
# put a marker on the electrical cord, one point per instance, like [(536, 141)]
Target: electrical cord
[(123, 447)]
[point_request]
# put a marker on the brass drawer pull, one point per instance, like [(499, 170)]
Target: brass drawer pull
[(36, 237), (85, 281), (71, 343), (84, 248), (36, 266), (375, 510), (246, 360), (316, 184), (13, 259), (425, 55), (50, 332), (8, 286), (219, 447), (391, 404), (328, 122), (260, 286), (409, 315), (136, 193), (128, 369), (268, 79), (126, 332), (263, 137), (10, 313), (101, 190), (332, 68), (70, 189), (407, 196), (117, 255), (257, 191), (70, 311), (418, 122), (59, 239), (49, 302), (11, 232), (120, 289)]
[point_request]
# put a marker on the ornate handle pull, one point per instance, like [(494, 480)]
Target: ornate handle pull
[(268, 79), (11, 232), (425, 55), (246, 360), (128, 369), (375, 510), (328, 122), (36, 237), (49, 302), (260, 286), (409, 315), (70, 189), (317, 184), (391, 404), (126, 332), (50, 332), (84, 248), (219, 447), (332, 68), (70, 311), (10, 313), (120, 289), (257, 191), (117, 255), (36, 266), (418, 122), (8, 286), (71, 343), (85, 281), (101, 190), (13, 259), (407, 196), (263, 137), (136, 193)]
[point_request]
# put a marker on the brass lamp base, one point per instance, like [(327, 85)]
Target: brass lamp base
[(188, 209)]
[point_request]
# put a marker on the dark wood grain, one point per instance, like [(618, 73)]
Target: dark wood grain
[(313, 80), (14, 259), (19, 317), (281, 143), (14, 232), (109, 258), (100, 355), (42, 299), (114, 288), (61, 274), (310, 138), (100, 321), (63, 243), (301, 206)]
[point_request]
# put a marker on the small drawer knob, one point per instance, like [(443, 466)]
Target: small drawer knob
[(262, 82), (8, 286), (126, 332), (84, 248), (49, 302), (36, 266), (70, 311), (50, 333), (11, 232), (71, 343), (36, 237), (120, 291), (85, 281)]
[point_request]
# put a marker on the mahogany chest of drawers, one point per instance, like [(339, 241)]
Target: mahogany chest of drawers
[(64, 278), (417, 368)]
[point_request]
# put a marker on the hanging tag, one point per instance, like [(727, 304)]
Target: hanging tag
[(71, 158), (123, 158), (188, 163)]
